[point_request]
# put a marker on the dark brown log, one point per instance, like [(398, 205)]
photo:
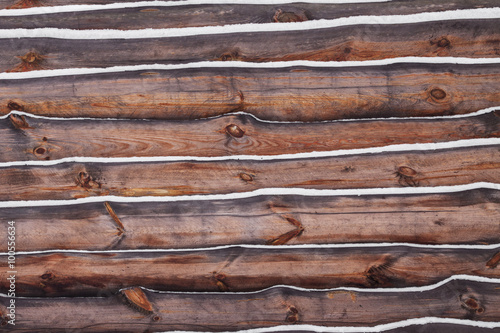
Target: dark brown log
[(43, 139), (294, 93), (426, 219), (473, 38), (215, 14), (241, 269), (277, 306), (395, 169)]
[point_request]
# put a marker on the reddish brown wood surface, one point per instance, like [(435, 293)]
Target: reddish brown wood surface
[(243, 269), (295, 93), (277, 306), (215, 14), (42, 139), (468, 38), (278, 220), (395, 169)]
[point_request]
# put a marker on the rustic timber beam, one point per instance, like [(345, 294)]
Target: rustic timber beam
[(272, 220), (290, 93), (440, 167), (244, 269), (462, 38), (46, 139), (214, 14), (140, 310)]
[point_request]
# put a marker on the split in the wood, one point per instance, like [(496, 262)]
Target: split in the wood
[(137, 309)]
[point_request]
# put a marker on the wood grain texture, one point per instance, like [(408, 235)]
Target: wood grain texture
[(44, 139), (425, 219), (295, 93), (277, 306), (472, 38), (216, 14), (395, 169), (242, 269)]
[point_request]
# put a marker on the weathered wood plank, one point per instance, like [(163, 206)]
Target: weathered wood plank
[(243, 269), (294, 93), (395, 169), (277, 306), (44, 139), (473, 38), (216, 14), (427, 219)]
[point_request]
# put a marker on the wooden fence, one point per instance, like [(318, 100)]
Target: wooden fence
[(212, 166)]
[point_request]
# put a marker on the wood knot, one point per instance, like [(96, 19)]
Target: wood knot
[(246, 177), (443, 42), (472, 305), (41, 153), (18, 121), (86, 181), (285, 17), (219, 281), (229, 56), (406, 176), (13, 106), (156, 318), (47, 276), (438, 94), (137, 299), (29, 62), (235, 131), (292, 315)]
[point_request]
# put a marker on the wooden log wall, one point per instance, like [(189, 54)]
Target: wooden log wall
[(298, 166)]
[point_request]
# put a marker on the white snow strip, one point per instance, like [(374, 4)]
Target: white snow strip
[(124, 5), (461, 14), (430, 287), (369, 329), (456, 116), (409, 147), (272, 248), (241, 64), (256, 193)]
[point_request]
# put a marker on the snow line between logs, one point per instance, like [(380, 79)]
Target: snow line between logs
[(459, 14)]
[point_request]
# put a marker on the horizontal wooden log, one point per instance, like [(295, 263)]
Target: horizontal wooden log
[(271, 220), (473, 38), (214, 14), (242, 269), (44, 139), (294, 93), (138, 310), (395, 169)]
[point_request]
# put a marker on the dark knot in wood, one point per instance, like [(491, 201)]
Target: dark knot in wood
[(438, 93), (14, 106), (284, 17), (292, 315), (443, 42), (235, 131), (406, 176), (246, 177)]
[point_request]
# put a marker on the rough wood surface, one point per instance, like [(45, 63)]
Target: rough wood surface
[(44, 139), (395, 169), (295, 93), (272, 220), (277, 306), (473, 38), (216, 14), (243, 269)]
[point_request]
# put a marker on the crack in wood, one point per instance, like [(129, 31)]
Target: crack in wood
[(286, 237), (120, 227)]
